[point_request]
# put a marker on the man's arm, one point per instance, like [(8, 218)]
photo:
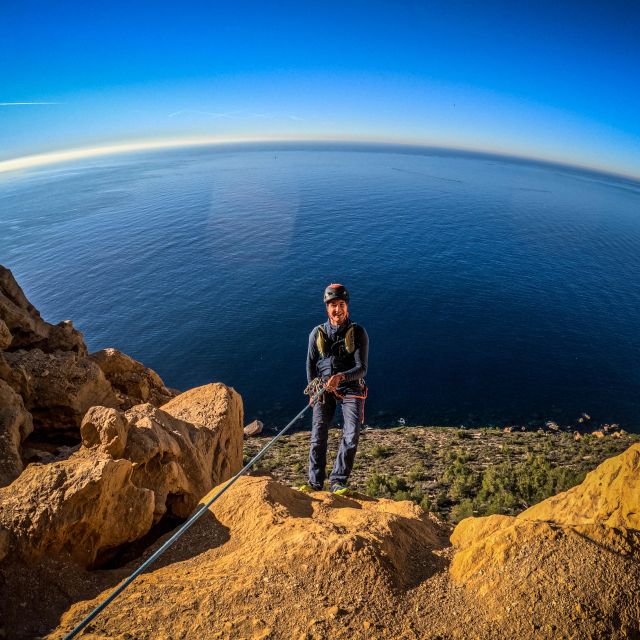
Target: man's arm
[(312, 356), (361, 355)]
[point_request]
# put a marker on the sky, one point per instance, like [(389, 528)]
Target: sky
[(549, 80)]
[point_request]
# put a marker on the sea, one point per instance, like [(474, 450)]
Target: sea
[(495, 291)]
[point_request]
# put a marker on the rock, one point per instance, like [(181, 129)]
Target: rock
[(4, 543), (105, 428), (219, 409), (5, 335), (178, 460), (598, 434), (253, 428), (58, 388), (602, 509), (135, 382), (80, 506), (15, 425), (276, 529), (27, 328)]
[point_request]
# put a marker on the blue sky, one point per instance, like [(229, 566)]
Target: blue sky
[(554, 80)]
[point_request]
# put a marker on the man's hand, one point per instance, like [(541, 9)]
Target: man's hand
[(334, 381)]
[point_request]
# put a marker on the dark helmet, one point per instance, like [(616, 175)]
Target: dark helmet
[(336, 292)]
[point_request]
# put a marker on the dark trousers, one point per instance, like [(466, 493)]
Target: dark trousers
[(323, 413)]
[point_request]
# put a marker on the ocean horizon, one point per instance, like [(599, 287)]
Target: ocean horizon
[(495, 291)]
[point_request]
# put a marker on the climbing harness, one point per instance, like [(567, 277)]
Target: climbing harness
[(314, 389)]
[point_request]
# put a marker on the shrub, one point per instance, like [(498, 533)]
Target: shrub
[(381, 451), (462, 511), (416, 473)]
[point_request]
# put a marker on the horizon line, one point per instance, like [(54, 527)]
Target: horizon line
[(56, 157)]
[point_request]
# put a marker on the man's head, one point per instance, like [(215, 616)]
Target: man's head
[(336, 297)]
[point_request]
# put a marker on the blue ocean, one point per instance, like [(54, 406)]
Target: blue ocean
[(494, 292)]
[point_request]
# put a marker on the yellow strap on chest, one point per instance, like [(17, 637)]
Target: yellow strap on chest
[(322, 340)]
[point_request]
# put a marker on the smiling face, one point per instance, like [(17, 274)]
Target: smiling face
[(338, 312)]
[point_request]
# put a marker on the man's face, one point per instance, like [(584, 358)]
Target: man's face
[(338, 311)]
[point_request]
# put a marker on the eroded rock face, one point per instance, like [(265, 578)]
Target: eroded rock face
[(77, 507), (217, 408), (105, 429), (58, 388), (15, 425), (131, 379), (132, 468), (604, 509), (27, 328)]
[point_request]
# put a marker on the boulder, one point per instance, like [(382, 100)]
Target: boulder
[(27, 328), (253, 428), (15, 425), (134, 382), (105, 429), (77, 507), (180, 461), (132, 468), (58, 388), (219, 409)]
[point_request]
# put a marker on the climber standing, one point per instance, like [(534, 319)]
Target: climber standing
[(338, 353)]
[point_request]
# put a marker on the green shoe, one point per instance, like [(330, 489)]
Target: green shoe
[(307, 488), (341, 490)]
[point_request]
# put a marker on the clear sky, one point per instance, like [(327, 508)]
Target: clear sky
[(554, 80)]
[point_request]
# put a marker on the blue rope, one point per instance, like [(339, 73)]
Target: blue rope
[(317, 392)]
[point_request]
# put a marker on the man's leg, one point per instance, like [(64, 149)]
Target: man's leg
[(352, 415), (322, 415)]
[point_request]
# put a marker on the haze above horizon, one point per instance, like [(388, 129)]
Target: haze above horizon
[(550, 82)]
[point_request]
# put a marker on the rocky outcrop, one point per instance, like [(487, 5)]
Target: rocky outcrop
[(604, 509), (15, 425), (132, 468), (271, 562), (132, 381), (219, 409), (77, 507), (27, 328), (49, 367), (58, 388)]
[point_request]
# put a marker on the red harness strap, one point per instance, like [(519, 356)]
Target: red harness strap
[(363, 398)]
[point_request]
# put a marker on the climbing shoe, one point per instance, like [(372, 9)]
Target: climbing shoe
[(341, 490), (307, 488)]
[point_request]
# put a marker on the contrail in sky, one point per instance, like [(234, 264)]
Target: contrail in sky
[(23, 104)]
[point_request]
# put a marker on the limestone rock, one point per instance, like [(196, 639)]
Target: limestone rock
[(605, 509), (5, 335), (219, 409), (80, 506), (15, 425), (253, 428), (135, 382), (27, 328), (58, 388), (179, 461), (106, 429)]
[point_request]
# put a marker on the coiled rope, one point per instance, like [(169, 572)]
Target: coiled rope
[(314, 389)]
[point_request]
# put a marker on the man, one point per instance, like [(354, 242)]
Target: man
[(338, 353)]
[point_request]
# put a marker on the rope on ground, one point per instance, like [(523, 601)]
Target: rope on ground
[(314, 389)]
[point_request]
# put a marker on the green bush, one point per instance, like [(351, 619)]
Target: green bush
[(462, 511), (380, 451), (417, 472)]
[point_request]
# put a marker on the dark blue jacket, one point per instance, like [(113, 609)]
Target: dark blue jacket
[(352, 365)]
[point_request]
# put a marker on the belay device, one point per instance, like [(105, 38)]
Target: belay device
[(314, 390)]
